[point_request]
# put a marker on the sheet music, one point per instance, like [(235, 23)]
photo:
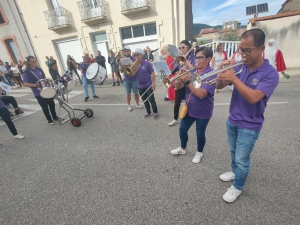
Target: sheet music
[(125, 61), (5, 87), (160, 66), (172, 50)]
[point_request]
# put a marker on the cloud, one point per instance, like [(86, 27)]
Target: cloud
[(225, 4)]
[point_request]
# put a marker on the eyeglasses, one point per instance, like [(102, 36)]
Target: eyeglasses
[(136, 55), (200, 57), (247, 51), (183, 47)]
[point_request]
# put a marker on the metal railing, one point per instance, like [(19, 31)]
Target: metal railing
[(90, 9), (58, 17), (229, 46), (133, 4)]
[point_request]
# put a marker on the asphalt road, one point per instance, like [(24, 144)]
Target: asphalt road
[(116, 168)]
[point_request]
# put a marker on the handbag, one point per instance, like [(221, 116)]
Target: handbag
[(184, 109)]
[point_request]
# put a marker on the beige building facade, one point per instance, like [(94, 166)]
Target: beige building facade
[(69, 27), (285, 29)]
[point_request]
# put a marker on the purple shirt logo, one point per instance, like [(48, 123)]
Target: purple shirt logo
[(254, 81)]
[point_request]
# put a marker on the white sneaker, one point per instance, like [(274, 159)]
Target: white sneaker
[(231, 194), (228, 176), (18, 136), (178, 151), (139, 106), (129, 108), (173, 122), (197, 158)]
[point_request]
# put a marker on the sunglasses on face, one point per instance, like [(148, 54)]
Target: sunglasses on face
[(183, 47), (200, 57)]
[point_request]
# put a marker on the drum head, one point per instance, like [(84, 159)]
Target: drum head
[(48, 92), (92, 70), (71, 85), (100, 76)]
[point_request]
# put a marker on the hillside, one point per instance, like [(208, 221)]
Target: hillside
[(198, 26)]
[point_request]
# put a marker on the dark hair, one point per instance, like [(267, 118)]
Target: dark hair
[(258, 36), (28, 59), (186, 42), (207, 51)]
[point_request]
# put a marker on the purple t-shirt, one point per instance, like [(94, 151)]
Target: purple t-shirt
[(128, 78), (201, 108), (251, 116), (143, 74), (83, 67), (2, 105), (29, 79)]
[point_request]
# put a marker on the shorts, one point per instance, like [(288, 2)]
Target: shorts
[(131, 85)]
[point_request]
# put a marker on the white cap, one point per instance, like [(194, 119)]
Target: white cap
[(139, 51), (126, 48)]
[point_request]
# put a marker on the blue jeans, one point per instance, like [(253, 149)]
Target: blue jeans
[(85, 86), (185, 125), (241, 143)]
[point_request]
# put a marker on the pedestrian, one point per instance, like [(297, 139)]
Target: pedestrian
[(114, 68), (16, 74), (101, 60), (275, 57), (252, 90), (54, 70), (30, 77), (72, 66), (146, 84)]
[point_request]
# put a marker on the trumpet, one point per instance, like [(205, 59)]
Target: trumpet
[(175, 79), (198, 81), (181, 59)]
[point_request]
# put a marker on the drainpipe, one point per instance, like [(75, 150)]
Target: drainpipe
[(172, 23), (25, 29)]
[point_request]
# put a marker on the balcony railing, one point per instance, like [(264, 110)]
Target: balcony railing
[(91, 10), (132, 6), (58, 18)]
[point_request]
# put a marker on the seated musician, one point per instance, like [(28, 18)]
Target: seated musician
[(30, 77), (200, 104), (10, 100)]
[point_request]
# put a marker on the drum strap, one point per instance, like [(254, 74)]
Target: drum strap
[(32, 75)]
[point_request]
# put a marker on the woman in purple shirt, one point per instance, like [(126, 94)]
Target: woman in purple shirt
[(200, 104), (30, 77)]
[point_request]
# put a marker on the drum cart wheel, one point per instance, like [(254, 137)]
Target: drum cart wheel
[(89, 112), (76, 122)]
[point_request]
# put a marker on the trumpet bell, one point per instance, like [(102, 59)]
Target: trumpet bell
[(195, 80), (166, 82)]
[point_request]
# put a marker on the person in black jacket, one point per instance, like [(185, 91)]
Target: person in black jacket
[(101, 60)]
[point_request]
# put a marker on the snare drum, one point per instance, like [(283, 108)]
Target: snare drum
[(45, 88), (67, 80), (96, 73)]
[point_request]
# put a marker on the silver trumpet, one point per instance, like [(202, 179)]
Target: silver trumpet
[(197, 80)]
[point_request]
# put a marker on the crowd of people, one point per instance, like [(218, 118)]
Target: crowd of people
[(252, 90)]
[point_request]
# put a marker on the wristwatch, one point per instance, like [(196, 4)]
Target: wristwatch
[(187, 82)]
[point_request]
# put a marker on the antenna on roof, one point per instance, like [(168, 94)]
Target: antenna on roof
[(256, 9)]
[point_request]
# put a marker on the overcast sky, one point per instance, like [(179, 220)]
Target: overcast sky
[(215, 12)]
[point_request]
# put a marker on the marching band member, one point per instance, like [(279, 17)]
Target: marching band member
[(6, 118), (83, 66), (184, 47), (130, 83), (200, 103), (30, 76), (252, 90), (146, 78)]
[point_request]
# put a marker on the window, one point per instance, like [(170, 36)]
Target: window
[(126, 33), (150, 29), (12, 49), (99, 37), (138, 31), (3, 18), (93, 4)]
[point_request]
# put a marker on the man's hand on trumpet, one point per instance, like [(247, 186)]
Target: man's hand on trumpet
[(184, 78), (227, 76)]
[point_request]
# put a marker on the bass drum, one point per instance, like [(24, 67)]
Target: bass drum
[(96, 73)]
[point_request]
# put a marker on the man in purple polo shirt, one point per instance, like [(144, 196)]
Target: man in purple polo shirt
[(252, 89), (30, 77), (6, 118), (130, 83), (200, 104), (146, 83)]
